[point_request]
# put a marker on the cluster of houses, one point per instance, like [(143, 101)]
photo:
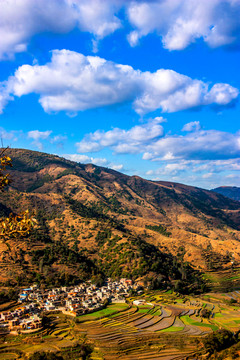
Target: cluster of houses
[(75, 301), (24, 318)]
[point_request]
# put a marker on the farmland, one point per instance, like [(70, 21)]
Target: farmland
[(156, 326)]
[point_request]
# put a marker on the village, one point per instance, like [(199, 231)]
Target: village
[(74, 301)]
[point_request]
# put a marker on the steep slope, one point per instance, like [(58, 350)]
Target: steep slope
[(232, 192), (95, 221)]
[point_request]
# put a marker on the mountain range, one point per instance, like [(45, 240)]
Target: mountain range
[(97, 222), (232, 192)]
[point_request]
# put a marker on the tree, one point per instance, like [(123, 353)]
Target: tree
[(45, 356), (218, 340), (13, 225), (4, 162)]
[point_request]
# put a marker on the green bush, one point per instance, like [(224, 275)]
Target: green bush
[(160, 229)]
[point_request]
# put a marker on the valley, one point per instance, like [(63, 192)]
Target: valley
[(179, 244)]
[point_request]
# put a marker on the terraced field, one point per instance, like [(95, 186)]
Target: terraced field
[(60, 335), (164, 327), (225, 280), (136, 333)]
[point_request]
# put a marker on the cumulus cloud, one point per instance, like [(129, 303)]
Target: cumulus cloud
[(122, 141), (177, 22), (5, 97), (73, 82), (196, 151), (81, 158), (22, 19), (8, 135), (206, 174), (170, 91), (192, 126), (37, 136), (181, 22), (97, 16), (40, 136), (197, 157), (198, 169), (200, 145)]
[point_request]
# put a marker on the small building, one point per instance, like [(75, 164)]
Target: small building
[(13, 323)]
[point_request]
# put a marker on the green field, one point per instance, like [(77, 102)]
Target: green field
[(126, 331), (173, 329), (187, 320), (110, 309)]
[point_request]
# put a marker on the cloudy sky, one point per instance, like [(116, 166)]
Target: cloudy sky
[(149, 88)]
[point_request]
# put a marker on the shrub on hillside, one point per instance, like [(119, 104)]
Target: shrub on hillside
[(219, 340)]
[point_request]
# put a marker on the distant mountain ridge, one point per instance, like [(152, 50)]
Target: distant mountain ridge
[(95, 221), (232, 192)]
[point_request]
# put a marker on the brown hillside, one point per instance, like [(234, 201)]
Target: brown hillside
[(78, 201)]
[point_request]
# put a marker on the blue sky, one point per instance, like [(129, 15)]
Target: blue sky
[(149, 88)]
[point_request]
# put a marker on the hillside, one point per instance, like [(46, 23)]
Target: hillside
[(96, 222), (232, 192)]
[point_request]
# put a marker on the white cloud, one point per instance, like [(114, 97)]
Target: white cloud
[(181, 22), (205, 173), (40, 136), (170, 91), (192, 126), (133, 38), (117, 167), (223, 165), (177, 22), (22, 19), (58, 138), (81, 158), (97, 16), (207, 182), (149, 172), (175, 168), (122, 141), (197, 147), (8, 135), (220, 94), (197, 157), (73, 82), (168, 156), (200, 145), (37, 136), (5, 97)]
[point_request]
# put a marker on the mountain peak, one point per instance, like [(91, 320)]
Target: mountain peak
[(232, 192), (120, 223)]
